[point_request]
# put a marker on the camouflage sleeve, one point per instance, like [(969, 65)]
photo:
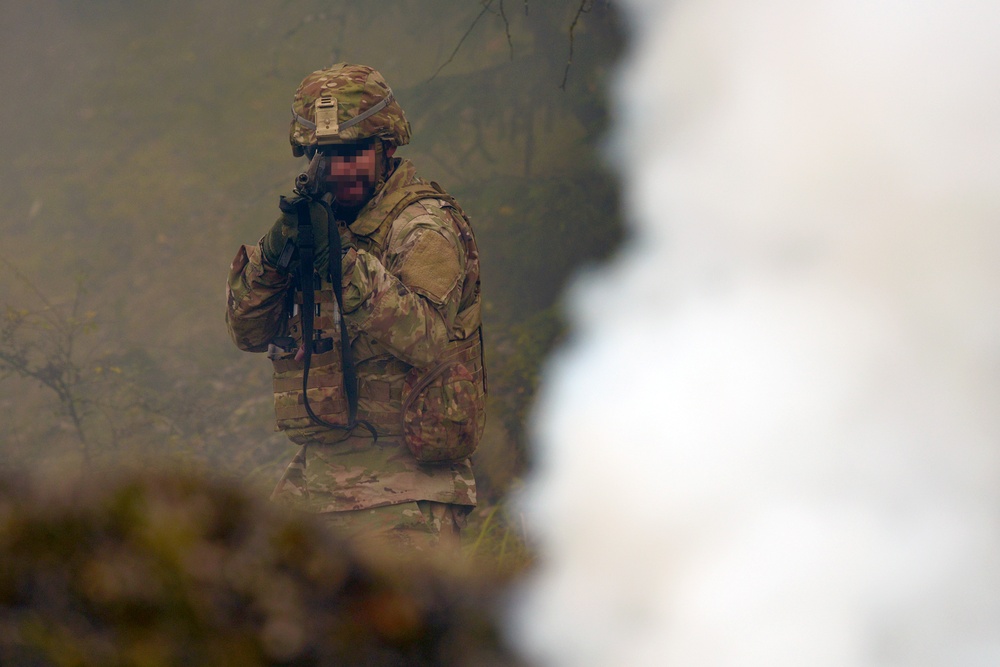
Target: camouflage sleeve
[(409, 303), (254, 300)]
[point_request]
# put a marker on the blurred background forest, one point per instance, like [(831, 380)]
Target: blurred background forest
[(142, 143)]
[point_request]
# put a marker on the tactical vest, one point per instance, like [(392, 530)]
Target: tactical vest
[(453, 389)]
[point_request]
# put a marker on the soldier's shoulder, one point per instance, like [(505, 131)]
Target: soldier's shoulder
[(424, 207)]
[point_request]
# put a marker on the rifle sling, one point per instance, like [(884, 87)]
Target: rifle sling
[(307, 266)]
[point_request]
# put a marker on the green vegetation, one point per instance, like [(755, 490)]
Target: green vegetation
[(143, 143)]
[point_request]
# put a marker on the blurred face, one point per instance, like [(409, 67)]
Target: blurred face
[(350, 172)]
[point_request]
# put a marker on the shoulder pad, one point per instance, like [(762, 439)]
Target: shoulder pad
[(431, 265)]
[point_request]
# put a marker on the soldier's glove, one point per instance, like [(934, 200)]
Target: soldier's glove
[(286, 228)]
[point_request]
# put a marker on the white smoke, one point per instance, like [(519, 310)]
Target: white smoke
[(775, 439)]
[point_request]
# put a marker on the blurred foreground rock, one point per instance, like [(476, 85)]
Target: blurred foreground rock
[(176, 570)]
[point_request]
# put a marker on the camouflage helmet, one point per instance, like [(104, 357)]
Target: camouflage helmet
[(365, 107)]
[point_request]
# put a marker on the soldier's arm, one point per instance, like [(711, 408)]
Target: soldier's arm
[(255, 300), (409, 304)]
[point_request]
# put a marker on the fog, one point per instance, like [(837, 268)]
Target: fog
[(773, 439), (143, 143), (772, 436)]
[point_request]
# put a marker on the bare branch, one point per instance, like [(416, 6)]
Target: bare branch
[(582, 9), (48, 359), (53, 320), (506, 28), (458, 46)]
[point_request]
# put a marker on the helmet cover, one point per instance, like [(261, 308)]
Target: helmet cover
[(357, 88)]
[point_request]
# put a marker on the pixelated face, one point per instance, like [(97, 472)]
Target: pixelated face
[(350, 172)]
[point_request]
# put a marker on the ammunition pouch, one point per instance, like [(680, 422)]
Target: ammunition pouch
[(326, 381)]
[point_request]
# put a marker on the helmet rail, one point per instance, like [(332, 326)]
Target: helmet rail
[(371, 111)]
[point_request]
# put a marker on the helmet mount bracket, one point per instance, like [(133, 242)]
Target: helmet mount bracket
[(327, 125)]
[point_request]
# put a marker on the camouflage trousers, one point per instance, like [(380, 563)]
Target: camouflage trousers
[(412, 525), (420, 525)]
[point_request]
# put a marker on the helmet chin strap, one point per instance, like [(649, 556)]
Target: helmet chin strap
[(381, 165)]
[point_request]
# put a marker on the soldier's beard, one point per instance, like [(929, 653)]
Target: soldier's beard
[(354, 194), (352, 191)]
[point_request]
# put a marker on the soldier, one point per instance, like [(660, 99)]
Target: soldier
[(365, 293)]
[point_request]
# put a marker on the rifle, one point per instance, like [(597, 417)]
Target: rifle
[(305, 183), (308, 192)]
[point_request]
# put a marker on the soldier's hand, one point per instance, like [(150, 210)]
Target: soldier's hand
[(273, 242), (287, 227)]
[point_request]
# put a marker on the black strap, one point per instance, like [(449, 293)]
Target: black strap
[(307, 263), (336, 273)]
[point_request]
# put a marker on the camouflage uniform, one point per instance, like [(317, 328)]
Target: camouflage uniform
[(411, 301)]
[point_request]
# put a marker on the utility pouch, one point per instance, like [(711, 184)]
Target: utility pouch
[(444, 409), (325, 385)]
